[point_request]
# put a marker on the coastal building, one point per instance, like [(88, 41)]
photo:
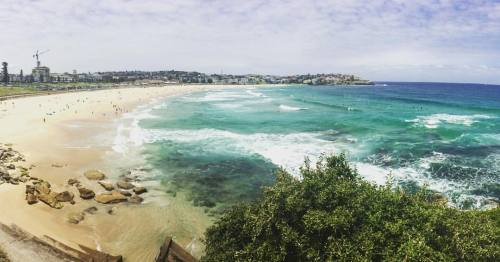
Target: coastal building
[(64, 78), (41, 74)]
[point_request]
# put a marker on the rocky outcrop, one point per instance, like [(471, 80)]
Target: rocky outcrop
[(106, 185), (86, 193), (94, 175), (110, 197)]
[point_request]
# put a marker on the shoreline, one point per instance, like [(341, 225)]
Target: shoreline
[(53, 132)]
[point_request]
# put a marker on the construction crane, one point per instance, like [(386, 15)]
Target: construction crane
[(37, 54)]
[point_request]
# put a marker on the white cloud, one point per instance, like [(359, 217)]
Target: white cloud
[(382, 40)]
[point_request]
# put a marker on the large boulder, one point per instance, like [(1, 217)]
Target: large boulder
[(106, 185), (110, 197), (125, 185), (86, 193), (65, 196), (140, 190), (94, 175), (50, 199)]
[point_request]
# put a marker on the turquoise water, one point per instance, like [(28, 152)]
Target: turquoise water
[(222, 146)]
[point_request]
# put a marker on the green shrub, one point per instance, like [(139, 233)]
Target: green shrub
[(332, 214)]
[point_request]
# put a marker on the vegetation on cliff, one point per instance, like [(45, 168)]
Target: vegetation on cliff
[(333, 214)]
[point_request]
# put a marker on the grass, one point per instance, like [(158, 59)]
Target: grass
[(31, 88), (8, 91)]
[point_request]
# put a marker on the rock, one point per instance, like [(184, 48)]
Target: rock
[(76, 218), (110, 197), (65, 196), (22, 179), (111, 211), (50, 199), (3, 171), (91, 210), (86, 193), (135, 199), (42, 187), (94, 175), (31, 198), (106, 185), (140, 190), (30, 189), (125, 193), (73, 181), (11, 166), (125, 185)]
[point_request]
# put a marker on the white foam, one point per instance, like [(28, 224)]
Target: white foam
[(433, 121), (257, 94), (286, 150), (218, 96), (291, 108)]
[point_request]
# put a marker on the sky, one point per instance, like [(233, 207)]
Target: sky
[(381, 40)]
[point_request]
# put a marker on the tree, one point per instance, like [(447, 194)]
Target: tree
[(5, 73), (332, 214)]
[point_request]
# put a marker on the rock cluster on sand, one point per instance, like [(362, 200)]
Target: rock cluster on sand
[(115, 194), (9, 172), (39, 190)]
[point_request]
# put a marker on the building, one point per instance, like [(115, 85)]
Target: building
[(41, 74)]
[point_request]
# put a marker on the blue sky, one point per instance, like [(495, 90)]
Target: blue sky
[(396, 40)]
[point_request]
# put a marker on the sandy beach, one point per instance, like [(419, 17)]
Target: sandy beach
[(52, 133)]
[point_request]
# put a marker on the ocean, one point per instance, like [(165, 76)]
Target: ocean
[(221, 147)]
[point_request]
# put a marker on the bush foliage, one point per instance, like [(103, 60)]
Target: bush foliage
[(332, 214)]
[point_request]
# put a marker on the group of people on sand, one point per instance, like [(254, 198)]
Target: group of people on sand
[(117, 109)]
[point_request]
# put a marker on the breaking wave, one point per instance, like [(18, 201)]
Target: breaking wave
[(435, 120)]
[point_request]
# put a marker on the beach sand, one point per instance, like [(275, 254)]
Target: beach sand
[(53, 133)]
